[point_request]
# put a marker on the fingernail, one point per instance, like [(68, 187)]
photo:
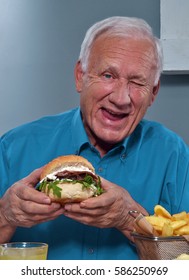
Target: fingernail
[(67, 207), (47, 200), (82, 204), (56, 205)]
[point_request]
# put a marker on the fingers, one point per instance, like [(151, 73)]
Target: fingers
[(24, 192), (105, 199), (19, 212), (106, 185), (84, 219), (92, 217), (28, 220), (25, 188), (33, 178), (76, 208), (23, 205), (54, 213), (102, 201), (30, 207), (107, 210)]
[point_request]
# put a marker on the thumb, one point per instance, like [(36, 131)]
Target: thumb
[(106, 184), (33, 178)]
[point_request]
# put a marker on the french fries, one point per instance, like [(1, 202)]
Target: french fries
[(166, 224), (183, 257)]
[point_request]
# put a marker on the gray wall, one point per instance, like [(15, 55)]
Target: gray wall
[(39, 45)]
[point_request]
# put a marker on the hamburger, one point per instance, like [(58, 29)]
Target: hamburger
[(69, 178)]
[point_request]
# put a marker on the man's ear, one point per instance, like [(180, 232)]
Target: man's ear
[(78, 76), (154, 93)]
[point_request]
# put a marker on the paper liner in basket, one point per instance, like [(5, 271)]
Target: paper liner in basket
[(142, 226)]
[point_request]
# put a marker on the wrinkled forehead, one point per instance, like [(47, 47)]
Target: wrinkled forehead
[(124, 55), (104, 45)]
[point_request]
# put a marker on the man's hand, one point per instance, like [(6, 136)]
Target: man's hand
[(108, 210), (22, 205)]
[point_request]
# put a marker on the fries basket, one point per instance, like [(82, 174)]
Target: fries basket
[(160, 248)]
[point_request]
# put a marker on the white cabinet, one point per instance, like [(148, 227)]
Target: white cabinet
[(174, 33)]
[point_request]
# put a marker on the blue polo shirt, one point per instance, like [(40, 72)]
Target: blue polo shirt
[(152, 164)]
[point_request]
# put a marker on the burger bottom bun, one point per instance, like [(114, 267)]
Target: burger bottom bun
[(70, 193)]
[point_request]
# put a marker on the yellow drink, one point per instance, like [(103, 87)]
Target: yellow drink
[(23, 251)]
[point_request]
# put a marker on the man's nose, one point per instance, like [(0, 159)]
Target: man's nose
[(121, 93)]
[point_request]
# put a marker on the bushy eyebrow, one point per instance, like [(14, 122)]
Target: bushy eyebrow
[(111, 69)]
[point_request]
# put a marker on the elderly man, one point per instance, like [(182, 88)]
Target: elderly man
[(141, 163)]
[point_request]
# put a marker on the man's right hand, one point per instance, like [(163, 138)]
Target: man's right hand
[(22, 205)]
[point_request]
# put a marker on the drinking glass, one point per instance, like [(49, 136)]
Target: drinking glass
[(23, 251)]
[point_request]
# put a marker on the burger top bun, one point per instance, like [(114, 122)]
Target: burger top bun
[(64, 161)]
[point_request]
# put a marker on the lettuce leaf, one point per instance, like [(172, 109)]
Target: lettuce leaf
[(87, 183)]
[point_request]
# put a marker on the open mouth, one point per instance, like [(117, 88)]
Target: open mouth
[(113, 116)]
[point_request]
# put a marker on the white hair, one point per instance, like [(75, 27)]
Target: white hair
[(121, 27)]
